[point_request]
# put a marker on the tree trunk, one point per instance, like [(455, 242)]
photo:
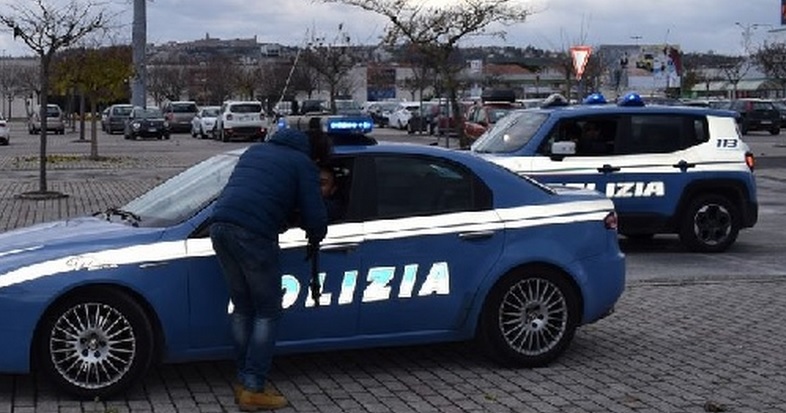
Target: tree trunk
[(44, 100), (81, 115), (93, 128)]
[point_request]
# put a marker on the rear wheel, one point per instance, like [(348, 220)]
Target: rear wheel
[(711, 223), (529, 318), (775, 130), (95, 343)]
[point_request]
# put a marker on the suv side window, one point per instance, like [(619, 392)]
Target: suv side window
[(662, 134)]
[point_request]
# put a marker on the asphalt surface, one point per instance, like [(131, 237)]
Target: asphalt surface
[(684, 345)]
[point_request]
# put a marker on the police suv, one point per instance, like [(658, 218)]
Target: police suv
[(668, 169)]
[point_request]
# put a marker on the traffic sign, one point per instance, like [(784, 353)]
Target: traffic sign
[(580, 56)]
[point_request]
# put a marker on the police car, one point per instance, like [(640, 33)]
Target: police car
[(669, 169), (435, 246)]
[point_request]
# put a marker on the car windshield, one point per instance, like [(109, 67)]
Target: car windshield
[(149, 113), (210, 113), (184, 108), (495, 114), (122, 111), (185, 194), (347, 105), (246, 108), (52, 112), (511, 132)]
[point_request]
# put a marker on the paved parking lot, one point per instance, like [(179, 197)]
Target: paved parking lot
[(681, 346)]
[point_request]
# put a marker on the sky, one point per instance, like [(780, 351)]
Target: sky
[(693, 25)]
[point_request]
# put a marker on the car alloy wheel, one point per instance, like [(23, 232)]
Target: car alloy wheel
[(95, 343), (529, 317), (710, 224)]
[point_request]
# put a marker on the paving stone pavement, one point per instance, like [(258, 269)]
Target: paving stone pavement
[(669, 347)]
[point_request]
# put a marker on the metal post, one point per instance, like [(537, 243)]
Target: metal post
[(139, 42)]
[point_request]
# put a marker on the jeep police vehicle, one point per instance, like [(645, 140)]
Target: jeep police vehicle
[(668, 169)]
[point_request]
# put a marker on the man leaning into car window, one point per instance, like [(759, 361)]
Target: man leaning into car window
[(270, 181)]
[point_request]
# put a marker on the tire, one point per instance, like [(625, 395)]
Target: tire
[(529, 318), (711, 223), (224, 137), (775, 130), (122, 343)]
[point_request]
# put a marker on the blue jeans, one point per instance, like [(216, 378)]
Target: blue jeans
[(251, 268)]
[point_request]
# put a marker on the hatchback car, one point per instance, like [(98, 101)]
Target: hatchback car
[(756, 115), (5, 131), (146, 122), (480, 253), (179, 115), (203, 123), (55, 121), (116, 117)]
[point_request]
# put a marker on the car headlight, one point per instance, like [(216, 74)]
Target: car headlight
[(136, 125), (166, 124)]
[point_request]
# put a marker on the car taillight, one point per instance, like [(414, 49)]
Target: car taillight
[(229, 116), (750, 160), (610, 222)]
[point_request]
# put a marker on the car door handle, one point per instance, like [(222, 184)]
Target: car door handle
[(683, 165), (608, 169), (341, 247), (476, 235)]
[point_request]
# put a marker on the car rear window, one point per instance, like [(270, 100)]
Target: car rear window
[(52, 112), (184, 108), (246, 108)]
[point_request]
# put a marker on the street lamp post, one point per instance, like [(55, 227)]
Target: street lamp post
[(747, 33)]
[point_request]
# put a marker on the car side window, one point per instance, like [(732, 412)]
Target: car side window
[(418, 186)]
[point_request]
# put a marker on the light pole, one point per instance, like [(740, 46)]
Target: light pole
[(747, 33)]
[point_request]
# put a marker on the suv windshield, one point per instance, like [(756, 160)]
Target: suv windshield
[(149, 113), (510, 133), (52, 112), (246, 108)]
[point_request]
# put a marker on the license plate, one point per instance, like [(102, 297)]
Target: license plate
[(765, 122), (151, 130)]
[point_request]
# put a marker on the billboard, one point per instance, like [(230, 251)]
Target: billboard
[(641, 67), (783, 12)]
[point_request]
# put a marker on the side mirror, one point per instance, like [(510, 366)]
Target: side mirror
[(563, 148)]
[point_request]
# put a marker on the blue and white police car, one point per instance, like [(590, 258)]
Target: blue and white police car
[(435, 246), (668, 169)]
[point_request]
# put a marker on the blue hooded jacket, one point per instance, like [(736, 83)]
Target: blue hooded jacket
[(270, 182)]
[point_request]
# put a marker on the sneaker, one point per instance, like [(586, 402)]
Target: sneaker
[(250, 401)]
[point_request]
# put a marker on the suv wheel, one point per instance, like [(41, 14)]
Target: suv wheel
[(775, 130), (711, 223)]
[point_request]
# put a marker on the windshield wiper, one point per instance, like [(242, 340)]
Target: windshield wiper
[(125, 215)]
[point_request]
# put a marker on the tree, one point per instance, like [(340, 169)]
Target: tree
[(101, 75), (437, 31), (11, 83), (771, 57), (46, 29), (735, 70), (166, 81), (331, 61)]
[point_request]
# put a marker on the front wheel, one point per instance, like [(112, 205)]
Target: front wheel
[(711, 223), (95, 343), (529, 318)]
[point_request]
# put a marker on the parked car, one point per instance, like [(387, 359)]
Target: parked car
[(781, 106), (5, 131), (756, 115), (669, 169), (204, 122), (54, 120), (380, 112), (243, 120), (494, 105), (399, 118), (116, 117), (480, 254), (179, 114), (148, 122)]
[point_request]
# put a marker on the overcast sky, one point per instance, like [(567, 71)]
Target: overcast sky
[(694, 25)]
